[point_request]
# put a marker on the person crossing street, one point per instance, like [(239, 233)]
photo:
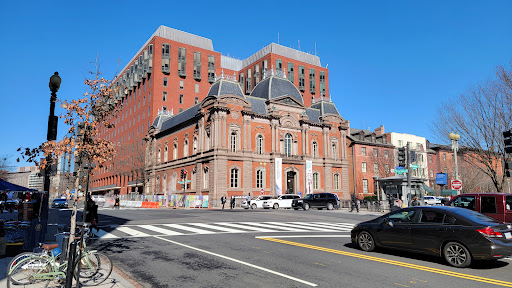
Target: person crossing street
[(354, 203)]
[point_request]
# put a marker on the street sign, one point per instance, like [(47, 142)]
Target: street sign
[(415, 166), (188, 181), (181, 182), (456, 184), (400, 171), (262, 191), (441, 179)]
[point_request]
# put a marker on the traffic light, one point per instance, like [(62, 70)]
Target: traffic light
[(508, 167), (507, 140), (182, 174), (401, 157)]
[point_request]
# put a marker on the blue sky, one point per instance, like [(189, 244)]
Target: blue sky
[(390, 62)]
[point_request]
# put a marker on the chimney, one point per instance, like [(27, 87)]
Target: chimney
[(380, 130)]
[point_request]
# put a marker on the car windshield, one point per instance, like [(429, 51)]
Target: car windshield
[(59, 200), (309, 196)]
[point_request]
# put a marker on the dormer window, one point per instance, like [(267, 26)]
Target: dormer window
[(361, 136)]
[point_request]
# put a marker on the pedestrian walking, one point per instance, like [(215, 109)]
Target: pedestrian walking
[(415, 201), (92, 213), (232, 202), (249, 198), (116, 204), (223, 201), (391, 200), (354, 203)]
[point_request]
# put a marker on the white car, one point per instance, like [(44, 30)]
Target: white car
[(432, 200), (98, 198), (255, 202), (282, 201)]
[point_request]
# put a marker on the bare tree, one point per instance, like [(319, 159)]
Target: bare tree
[(5, 166), (480, 116), (86, 117)]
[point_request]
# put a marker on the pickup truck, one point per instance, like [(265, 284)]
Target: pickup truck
[(282, 201)]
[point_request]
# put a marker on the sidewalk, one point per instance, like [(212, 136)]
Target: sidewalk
[(114, 281)]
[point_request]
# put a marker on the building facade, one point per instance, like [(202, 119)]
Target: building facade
[(28, 177), (232, 144), (418, 146), (172, 72), (370, 157)]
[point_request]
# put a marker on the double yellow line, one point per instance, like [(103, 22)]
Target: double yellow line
[(397, 263)]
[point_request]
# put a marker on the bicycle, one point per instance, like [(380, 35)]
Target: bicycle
[(38, 269)]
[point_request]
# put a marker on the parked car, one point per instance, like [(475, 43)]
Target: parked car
[(282, 201), (255, 202), (432, 200), (60, 203), (495, 205), (317, 200), (98, 198), (456, 234)]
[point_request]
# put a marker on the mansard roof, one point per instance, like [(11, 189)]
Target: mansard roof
[(225, 87), (326, 107), (368, 137), (275, 87)]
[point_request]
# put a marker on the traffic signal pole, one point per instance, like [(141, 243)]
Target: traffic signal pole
[(408, 174)]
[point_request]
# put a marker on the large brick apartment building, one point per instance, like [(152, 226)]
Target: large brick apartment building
[(172, 72)]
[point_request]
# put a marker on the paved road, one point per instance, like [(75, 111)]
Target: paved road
[(268, 248)]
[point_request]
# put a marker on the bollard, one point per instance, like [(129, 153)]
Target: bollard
[(71, 261), (64, 253)]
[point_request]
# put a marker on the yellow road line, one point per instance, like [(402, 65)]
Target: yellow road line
[(396, 263)]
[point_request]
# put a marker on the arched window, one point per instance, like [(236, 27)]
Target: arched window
[(288, 144), (207, 142), (175, 151), (316, 181), (314, 149), (185, 148), (259, 144), (336, 181), (158, 156), (166, 153), (259, 178), (194, 145), (233, 183), (164, 183), (205, 178), (157, 188), (193, 178), (334, 151), (233, 141)]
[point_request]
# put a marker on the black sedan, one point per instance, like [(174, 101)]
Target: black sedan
[(457, 234), (60, 203)]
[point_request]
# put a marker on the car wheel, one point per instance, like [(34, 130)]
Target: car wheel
[(254, 206), (305, 206), (456, 255), (330, 206), (276, 206), (365, 241)]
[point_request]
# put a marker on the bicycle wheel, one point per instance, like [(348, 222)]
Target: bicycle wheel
[(94, 268), (25, 271), (18, 258)]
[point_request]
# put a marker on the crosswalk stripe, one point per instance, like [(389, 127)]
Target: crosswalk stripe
[(161, 230), (102, 234), (274, 227), (219, 227), (335, 228), (341, 225), (131, 232), (300, 226), (250, 228), (190, 229), (215, 227)]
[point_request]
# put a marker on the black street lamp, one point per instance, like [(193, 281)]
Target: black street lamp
[(52, 126)]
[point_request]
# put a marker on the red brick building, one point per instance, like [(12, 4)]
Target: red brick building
[(174, 71), (370, 156), (233, 144)]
